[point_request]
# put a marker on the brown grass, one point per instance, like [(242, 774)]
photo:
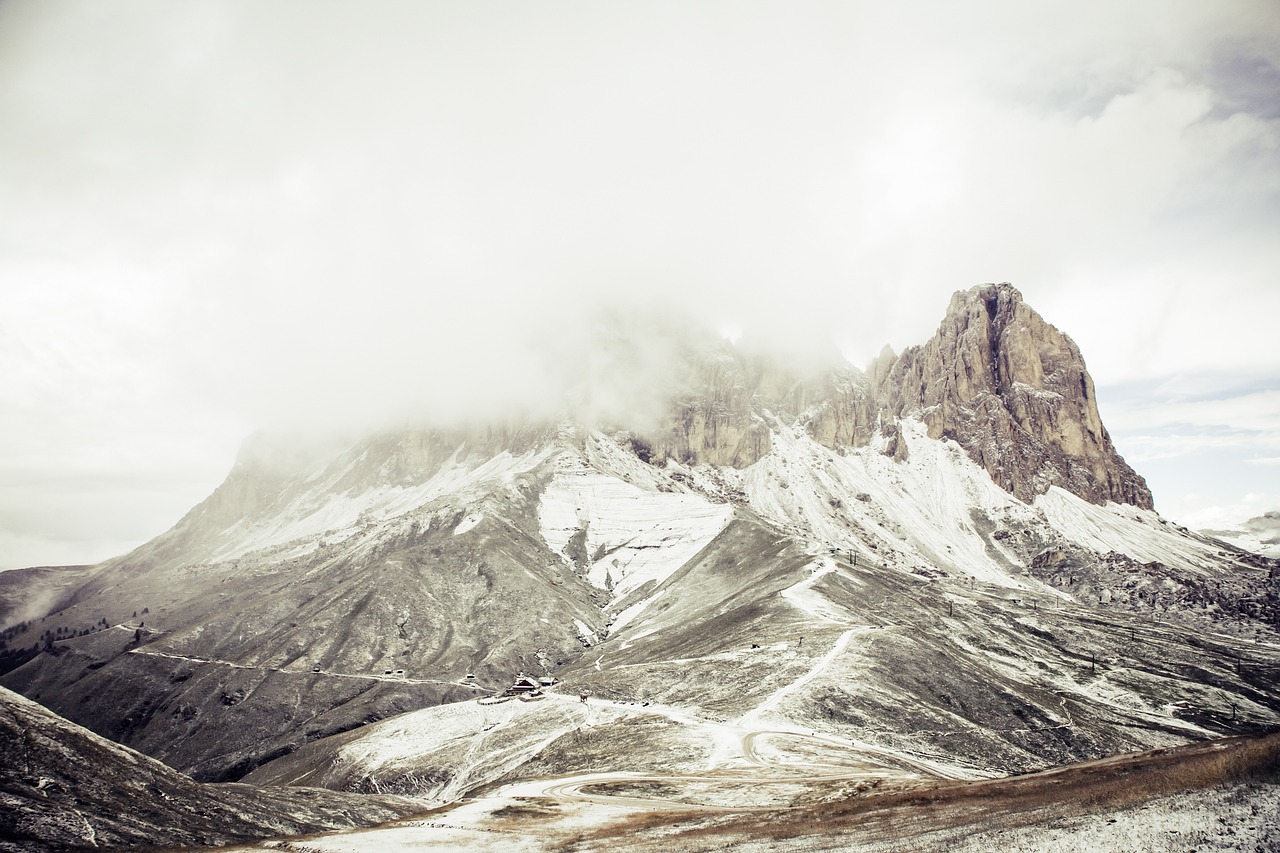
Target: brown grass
[(1096, 786)]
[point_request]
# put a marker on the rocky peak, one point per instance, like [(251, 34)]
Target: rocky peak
[(732, 399), (1014, 392), (1010, 388)]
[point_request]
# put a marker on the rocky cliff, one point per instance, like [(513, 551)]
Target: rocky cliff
[(1010, 388), (724, 418), (1013, 391)]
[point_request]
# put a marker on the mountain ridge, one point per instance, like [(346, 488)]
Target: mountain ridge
[(722, 560)]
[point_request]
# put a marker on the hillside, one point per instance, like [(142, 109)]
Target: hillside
[(64, 788), (939, 569)]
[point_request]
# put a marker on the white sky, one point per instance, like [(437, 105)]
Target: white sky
[(216, 216)]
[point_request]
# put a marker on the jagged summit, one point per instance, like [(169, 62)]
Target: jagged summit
[(1010, 388), (1014, 392)]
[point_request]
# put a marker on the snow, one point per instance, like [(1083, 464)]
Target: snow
[(626, 615), (1140, 534), (633, 536), (585, 632), (911, 514), (325, 511), (468, 523)]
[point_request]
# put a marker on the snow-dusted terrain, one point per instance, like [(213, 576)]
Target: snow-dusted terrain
[(1260, 534), (794, 591), (918, 514), (628, 536), (325, 512), (816, 622)]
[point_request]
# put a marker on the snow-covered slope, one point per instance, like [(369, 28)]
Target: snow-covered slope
[(933, 512), (622, 535), (786, 563), (1137, 533), (324, 512), (1260, 534)]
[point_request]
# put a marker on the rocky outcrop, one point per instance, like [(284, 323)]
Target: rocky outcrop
[(1013, 391), (733, 399), (715, 421)]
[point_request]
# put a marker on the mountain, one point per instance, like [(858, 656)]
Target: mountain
[(997, 379), (65, 788), (936, 568), (1013, 391), (1260, 535)]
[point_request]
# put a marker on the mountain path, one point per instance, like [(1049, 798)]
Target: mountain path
[(396, 679)]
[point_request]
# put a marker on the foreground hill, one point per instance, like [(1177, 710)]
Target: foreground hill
[(64, 788), (1210, 796)]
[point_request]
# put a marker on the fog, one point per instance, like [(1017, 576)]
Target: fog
[(220, 216)]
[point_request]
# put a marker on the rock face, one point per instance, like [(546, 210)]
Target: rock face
[(1011, 389), (1015, 394), (715, 423)]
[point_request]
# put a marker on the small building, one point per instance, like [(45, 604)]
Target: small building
[(523, 684)]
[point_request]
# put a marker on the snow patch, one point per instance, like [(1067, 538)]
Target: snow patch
[(469, 522), (917, 514), (626, 536), (1137, 533), (585, 633), (624, 617)]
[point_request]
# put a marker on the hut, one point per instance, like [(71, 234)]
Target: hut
[(523, 684)]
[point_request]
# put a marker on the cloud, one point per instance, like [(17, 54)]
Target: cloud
[(1197, 512), (1201, 441), (1254, 413), (219, 215)]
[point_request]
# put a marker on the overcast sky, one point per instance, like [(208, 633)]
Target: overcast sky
[(217, 216)]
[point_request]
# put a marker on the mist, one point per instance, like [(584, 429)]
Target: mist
[(220, 217)]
